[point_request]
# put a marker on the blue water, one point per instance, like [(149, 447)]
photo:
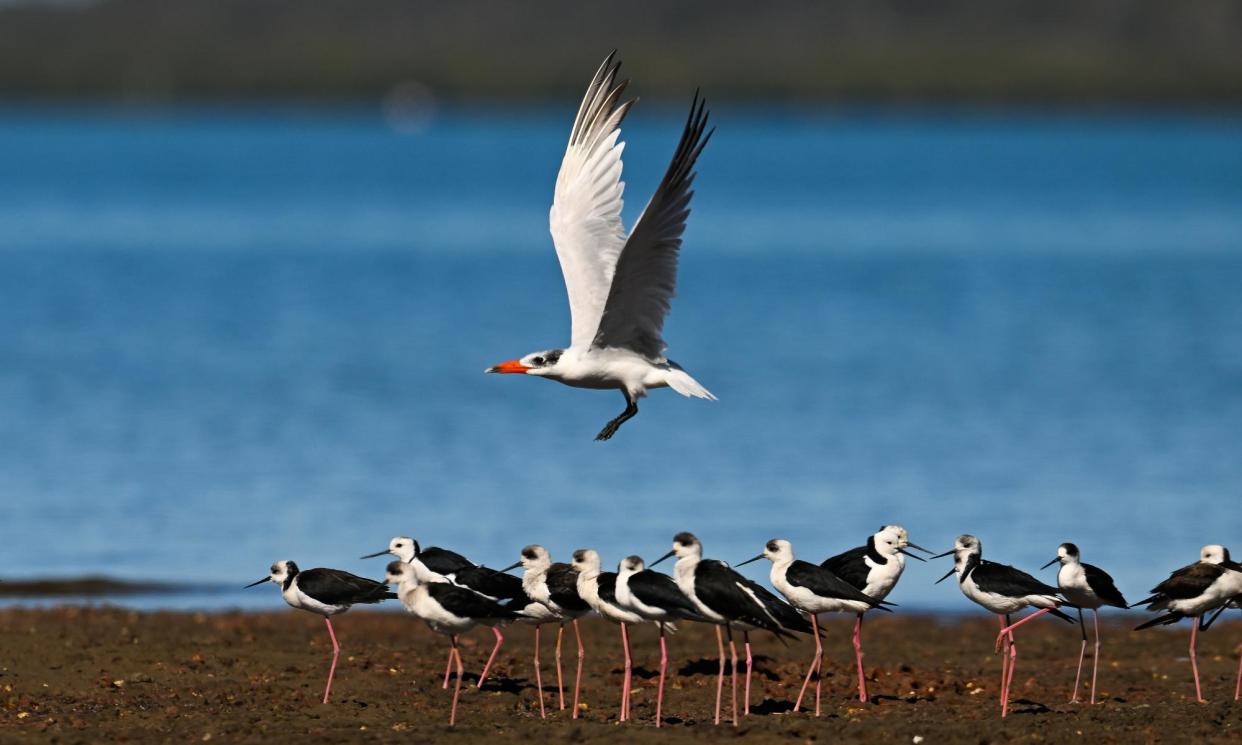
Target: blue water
[(233, 337)]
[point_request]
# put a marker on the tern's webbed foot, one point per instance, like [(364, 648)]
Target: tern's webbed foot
[(611, 428)]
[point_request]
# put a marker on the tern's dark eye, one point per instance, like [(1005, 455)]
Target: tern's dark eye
[(538, 361)]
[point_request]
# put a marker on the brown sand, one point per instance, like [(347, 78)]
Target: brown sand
[(74, 675)]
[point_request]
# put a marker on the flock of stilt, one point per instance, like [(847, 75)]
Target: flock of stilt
[(453, 595)]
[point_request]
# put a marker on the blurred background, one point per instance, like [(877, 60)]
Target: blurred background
[(962, 266)]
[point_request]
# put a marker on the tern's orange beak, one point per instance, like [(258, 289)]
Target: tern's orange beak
[(512, 366)]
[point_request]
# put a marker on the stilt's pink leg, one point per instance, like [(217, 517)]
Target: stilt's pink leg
[(819, 674), (336, 652), (749, 662), (500, 639), (858, 656), (1237, 687), (1010, 629), (1194, 665), (815, 662), (1013, 665), (733, 673), (663, 669), (560, 687), (581, 657), (455, 656), (1095, 661), (720, 675), (625, 679), (1004, 664), (1082, 652), (448, 669), (539, 674)]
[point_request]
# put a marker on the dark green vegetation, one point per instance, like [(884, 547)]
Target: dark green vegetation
[(857, 51), (74, 675)]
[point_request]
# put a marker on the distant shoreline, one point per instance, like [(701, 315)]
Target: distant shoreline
[(416, 54)]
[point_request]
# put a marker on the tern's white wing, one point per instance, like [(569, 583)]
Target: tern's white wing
[(586, 207), (646, 273)]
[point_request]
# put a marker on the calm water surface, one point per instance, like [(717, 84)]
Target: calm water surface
[(228, 338)]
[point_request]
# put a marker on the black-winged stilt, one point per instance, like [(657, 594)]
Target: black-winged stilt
[(657, 598), (729, 600), (1002, 590), (1190, 592), (429, 562), (874, 569), (555, 585), (447, 609), (599, 589), (434, 564), (1086, 586), (324, 592), (813, 590)]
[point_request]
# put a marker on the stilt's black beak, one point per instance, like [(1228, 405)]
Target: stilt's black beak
[(1054, 560), (946, 576), (918, 547), (257, 582), (372, 556), (912, 556), (511, 567), (946, 553), (757, 558), (662, 558)]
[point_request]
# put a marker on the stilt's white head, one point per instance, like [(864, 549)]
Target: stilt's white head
[(281, 572), (534, 558), (1067, 553), (545, 364), (1214, 554), (400, 572), (402, 547), (967, 551), (685, 546), (891, 539), (630, 565), (586, 561), (777, 550)]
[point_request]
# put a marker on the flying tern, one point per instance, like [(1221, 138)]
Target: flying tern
[(620, 287)]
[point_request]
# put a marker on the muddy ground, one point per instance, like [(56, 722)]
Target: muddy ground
[(74, 675)]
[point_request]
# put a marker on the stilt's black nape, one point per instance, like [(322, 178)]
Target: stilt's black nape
[(610, 429)]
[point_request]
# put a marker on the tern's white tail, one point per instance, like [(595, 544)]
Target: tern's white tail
[(680, 381)]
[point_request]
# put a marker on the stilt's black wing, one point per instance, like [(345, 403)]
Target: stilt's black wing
[(442, 560), (1006, 580), (850, 566), (467, 603), (562, 582), (720, 588), (1102, 585), (784, 613), (1186, 583), (337, 587), (489, 582), (608, 587), (1164, 620), (660, 591), (826, 584)]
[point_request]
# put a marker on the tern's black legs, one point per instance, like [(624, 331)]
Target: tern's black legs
[(610, 429)]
